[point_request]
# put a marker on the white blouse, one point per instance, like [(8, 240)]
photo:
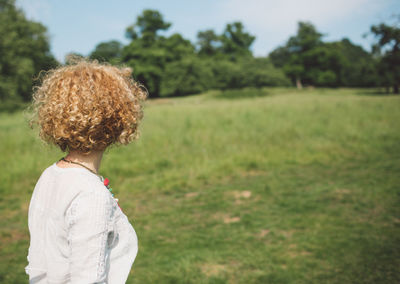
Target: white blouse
[(78, 233)]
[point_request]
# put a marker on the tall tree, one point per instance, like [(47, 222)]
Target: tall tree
[(145, 53), (189, 75), (388, 46), (154, 57), (236, 41), (306, 39), (176, 47), (147, 27), (296, 57), (208, 42), (354, 66), (24, 51), (110, 51)]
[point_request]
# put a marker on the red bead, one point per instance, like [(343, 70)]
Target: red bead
[(106, 181)]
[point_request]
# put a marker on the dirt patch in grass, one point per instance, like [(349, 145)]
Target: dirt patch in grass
[(242, 194), (225, 218), (239, 196), (191, 194), (294, 252), (340, 194), (229, 220), (218, 269), (10, 236), (263, 233), (25, 206), (213, 269), (286, 234)]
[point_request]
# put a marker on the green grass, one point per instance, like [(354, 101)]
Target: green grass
[(290, 187)]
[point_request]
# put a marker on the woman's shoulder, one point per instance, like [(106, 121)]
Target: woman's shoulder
[(72, 180), (57, 188)]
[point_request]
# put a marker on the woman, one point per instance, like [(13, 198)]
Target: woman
[(78, 232)]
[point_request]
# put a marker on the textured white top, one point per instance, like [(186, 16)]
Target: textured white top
[(78, 232)]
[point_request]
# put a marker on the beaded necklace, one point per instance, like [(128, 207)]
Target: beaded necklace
[(105, 181)]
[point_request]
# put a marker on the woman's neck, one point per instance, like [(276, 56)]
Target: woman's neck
[(92, 160)]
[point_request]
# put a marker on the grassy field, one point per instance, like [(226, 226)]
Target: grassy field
[(284, 186)]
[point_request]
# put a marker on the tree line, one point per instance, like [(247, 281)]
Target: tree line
[(175, 66)]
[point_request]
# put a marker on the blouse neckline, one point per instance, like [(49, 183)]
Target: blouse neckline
[(59, 169)]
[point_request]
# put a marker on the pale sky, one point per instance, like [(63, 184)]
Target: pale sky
[(79, 25)]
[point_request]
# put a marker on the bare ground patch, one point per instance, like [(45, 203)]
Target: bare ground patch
[(286, 234), (191, 194), (228, 270), (263, 233), (240, 196), (225, 218), (10, 236), (341, 193), (229, 220), (213, 269)]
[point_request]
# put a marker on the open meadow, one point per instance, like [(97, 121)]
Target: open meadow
[(271, 186)]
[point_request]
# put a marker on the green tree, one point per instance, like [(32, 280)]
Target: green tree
[(208, 42), (24, 51), (296, 56), (190, 75), (260, 72), (153, 64), (246, 72), (110, 51), (388, 46), (147, 64), (322, 66), (176, 47), (155, 58), (145, 53), (355, 67), (171, 66), (236, 41), (306, 59), (229, 57), (147, 27)]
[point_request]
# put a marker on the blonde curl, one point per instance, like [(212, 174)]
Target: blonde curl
[(88, 106)]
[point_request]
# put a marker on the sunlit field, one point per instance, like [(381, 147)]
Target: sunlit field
[(271, 186)]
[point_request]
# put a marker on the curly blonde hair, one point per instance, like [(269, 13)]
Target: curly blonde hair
[(87, 106)]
